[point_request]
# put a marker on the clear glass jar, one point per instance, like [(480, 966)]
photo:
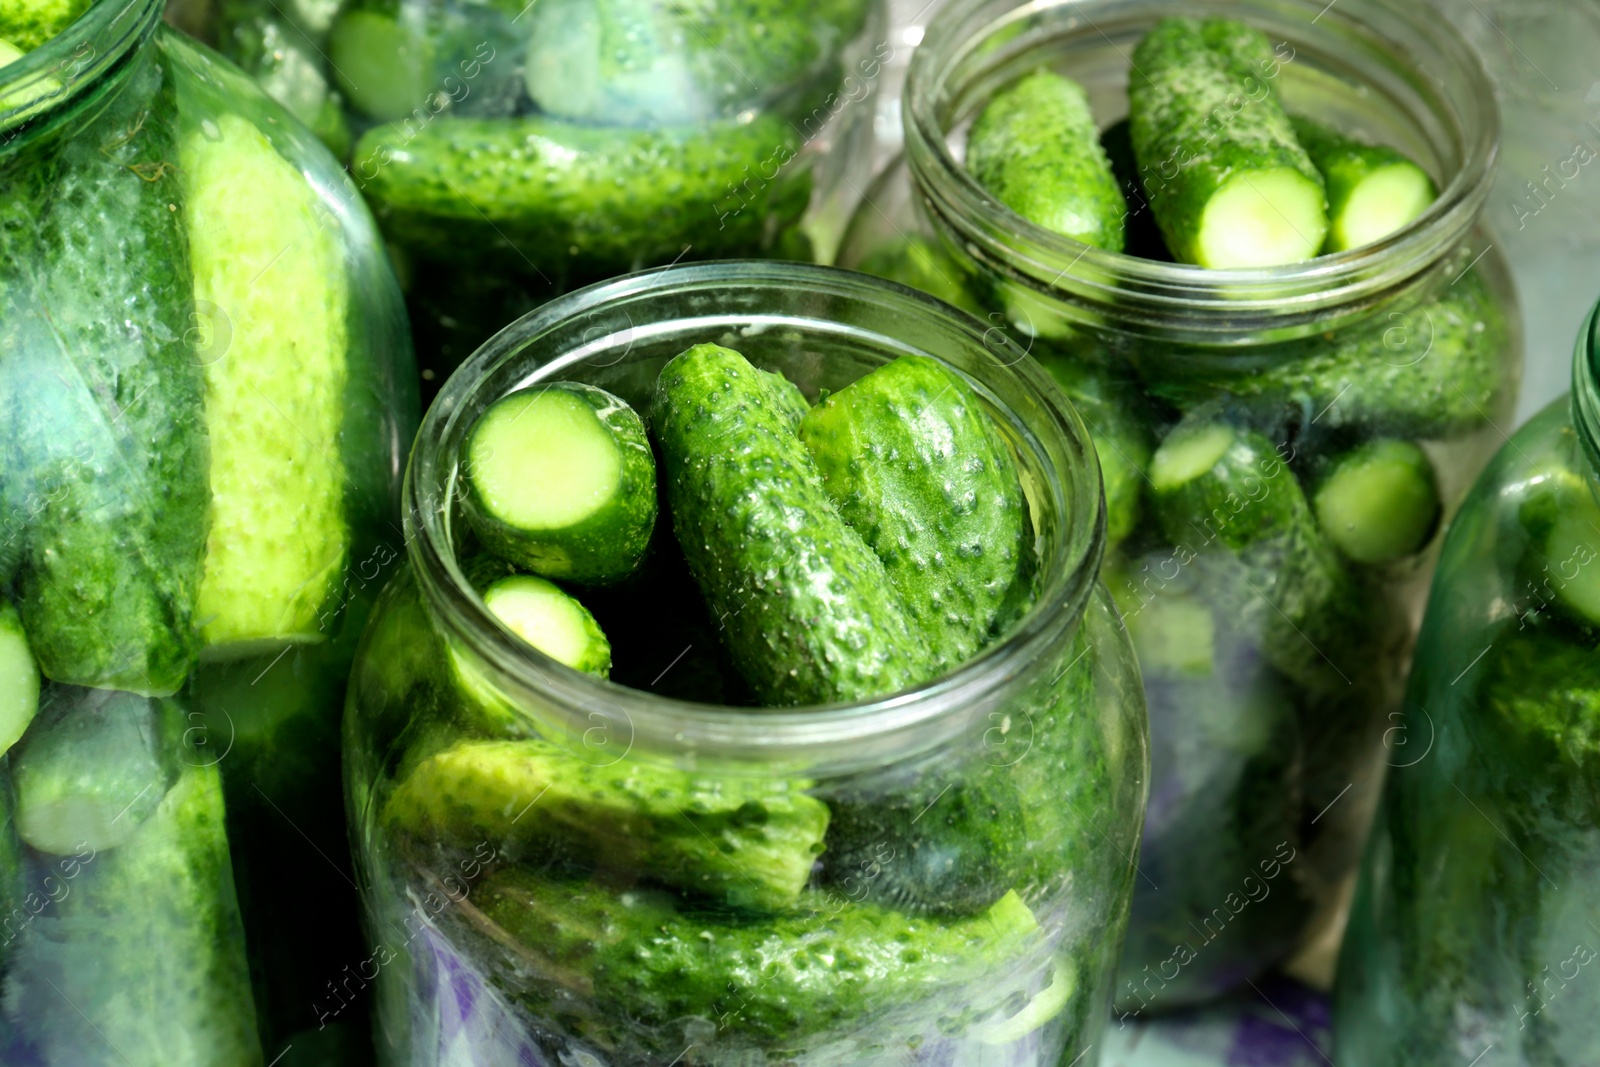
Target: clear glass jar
[(208, 385), (515, 150), (1271, 658), (1472, 932), (493, 948)]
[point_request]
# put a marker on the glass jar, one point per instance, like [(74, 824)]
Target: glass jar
[(515, 150), (1472, 930), (488, 944), (1271, 656), (207, 383)]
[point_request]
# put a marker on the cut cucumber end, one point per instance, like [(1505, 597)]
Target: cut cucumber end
[(19, 680), (551, 621), (1380, 504), (1573, 539), (1262, 218), (1383, 202), (543, 460), (1187, 453)]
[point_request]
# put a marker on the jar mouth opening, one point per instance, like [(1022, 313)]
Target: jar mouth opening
[(1380, 51), (579, 331), (36, 87)]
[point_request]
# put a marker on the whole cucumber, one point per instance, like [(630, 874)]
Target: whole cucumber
[(810, 614)]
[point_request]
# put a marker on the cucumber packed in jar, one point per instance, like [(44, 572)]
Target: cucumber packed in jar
[(512, 150), (206, 380), (760, 698), (1251, 270), (1471, 926)]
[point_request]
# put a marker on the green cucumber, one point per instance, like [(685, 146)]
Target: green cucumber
[(1121, 436), (1141, 235), (1561, 521), (384, 66), (809, 612), (1434, 369), (1225, 496), (648, 63), (561, 482), (918, 467), (1229, 184), (743, 843), (780, 983), (551, 621), (103, 439), (274, 271), (921, 263), (27, 24), (1372, 189), (94, 768), (1379, 502), (605, 199), (19, 679), (143, 961), (1035, 147)]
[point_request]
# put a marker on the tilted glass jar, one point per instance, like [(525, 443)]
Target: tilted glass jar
[(1270, 656), (515, 150), (491, 942), (1473, 930), (207, 383)]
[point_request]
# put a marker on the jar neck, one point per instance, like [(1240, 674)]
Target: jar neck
[(1363, 53), (645, 319), (51, 84)]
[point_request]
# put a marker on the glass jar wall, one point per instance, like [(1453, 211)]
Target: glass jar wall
[(1472, 931), (1221, 402), (513, 150), (538, 928), (207, 383)]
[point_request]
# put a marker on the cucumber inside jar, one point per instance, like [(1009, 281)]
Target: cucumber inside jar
[(845, 550)]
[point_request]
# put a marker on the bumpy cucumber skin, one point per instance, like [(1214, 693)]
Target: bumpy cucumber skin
[(781, 983), (607, 545), (1036, 148), (1343, 163), (1121, 437), (104, 446), (1191, 70), (1249, 522), (1429, 371), (112, 751), (143, 961), (609, 199), (808, 609), (744, 845), (30, 23), (915, 464), (274, 273)]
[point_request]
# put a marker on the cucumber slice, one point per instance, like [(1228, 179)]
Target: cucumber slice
[(1229, 183), (1188, 452), (94, 769), (1379, 502), (1562, 522), (19, 679), (1035, 147), (561, 482), (1372, 189), (551, 621)]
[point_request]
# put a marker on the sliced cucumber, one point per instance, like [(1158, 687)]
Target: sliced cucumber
[(1379, 502), (561, 482), (1188, 452), (93, 770), (1229, 183), (1372, 189), (551, 621), (19, 679), (1562, 522)]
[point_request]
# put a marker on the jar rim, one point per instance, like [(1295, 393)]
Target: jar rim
[(816, 732), (1198, 303), (1585, 397), (74, 60)]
